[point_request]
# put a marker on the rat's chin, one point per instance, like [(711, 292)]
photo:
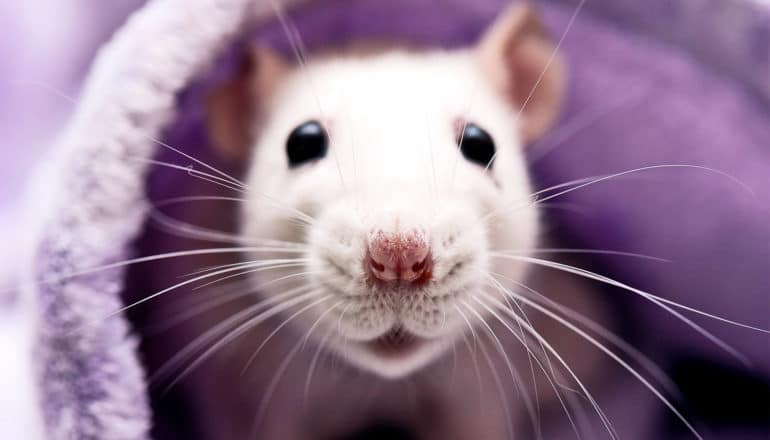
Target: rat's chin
[(394, 354)]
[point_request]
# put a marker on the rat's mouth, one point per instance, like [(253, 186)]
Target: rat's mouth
[(395, 353), (396, 342)]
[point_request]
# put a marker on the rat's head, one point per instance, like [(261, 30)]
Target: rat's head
[(398, 157)]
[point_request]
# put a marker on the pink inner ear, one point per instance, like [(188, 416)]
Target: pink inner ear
[(519, 59), (229, 112), (234, 107), (539, 83)]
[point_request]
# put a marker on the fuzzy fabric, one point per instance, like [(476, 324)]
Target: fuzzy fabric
[(701, 99)]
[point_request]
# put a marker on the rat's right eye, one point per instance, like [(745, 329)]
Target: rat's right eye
[(307, 142)]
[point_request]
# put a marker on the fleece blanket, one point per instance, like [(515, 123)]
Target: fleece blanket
[(651, 83)]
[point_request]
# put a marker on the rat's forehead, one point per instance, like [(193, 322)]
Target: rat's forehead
[(395, 82)]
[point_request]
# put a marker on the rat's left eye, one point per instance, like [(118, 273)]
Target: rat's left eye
[(307, 142), (476, 145)]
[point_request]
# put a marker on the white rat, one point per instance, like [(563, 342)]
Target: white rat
[(397, 173), (398, 157)]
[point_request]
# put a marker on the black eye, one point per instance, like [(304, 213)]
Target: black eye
[(307, 142), (477, 145)]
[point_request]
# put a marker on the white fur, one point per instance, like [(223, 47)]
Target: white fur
[(393, 159)]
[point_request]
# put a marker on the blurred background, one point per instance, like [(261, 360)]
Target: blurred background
[(46, 47)]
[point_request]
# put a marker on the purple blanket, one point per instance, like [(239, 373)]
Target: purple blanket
[(652, 83)]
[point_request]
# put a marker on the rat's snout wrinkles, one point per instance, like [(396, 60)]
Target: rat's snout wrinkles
[(394, 257)]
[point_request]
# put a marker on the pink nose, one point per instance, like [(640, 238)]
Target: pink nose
[(400, 256)]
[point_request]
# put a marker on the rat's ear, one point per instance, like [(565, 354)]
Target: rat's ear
[(233, 108), (520, 59)]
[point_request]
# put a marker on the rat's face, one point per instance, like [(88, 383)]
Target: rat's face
[(398, 159)]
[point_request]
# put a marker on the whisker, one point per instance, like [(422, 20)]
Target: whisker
[(189, 169), (582, 120), (605, 421), (522, 340), (648, 168), (518, 383), (500, 388), (432, 180), (471, 351), (585, 182), (279, 327), (139, 260), (460, 139), (72, 100), (601, 347), (225, 180), (603, 332), (254, 269), (188, 230), (314, 362), (230, 178), (298, 48), (524, 252), (531, 199), (279, 372), (251, 263), (219, 296), (566, 206), (222, 182), (169, 289), (183, 199), (244, 285), (660, 302), (511, 303), (223, 325), (240, 330)]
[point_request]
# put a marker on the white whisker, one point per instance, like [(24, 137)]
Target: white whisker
[(240, 330), (603, 332), (500, 389), (648, 168), (254, 268), (250, 263), (518, 383), (552, 381), (601, 347), (188, 230), (169, 289), (605, 420), (280, 326), (230, 179), (471, 351), (589, 181), (660, 302), (314, 362), (189, 169), (299, 293), (524, 252), (140, 260), (298, 49), (268, 394), (581, 121)]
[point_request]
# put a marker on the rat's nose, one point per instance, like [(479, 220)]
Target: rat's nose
[(399, 256)]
